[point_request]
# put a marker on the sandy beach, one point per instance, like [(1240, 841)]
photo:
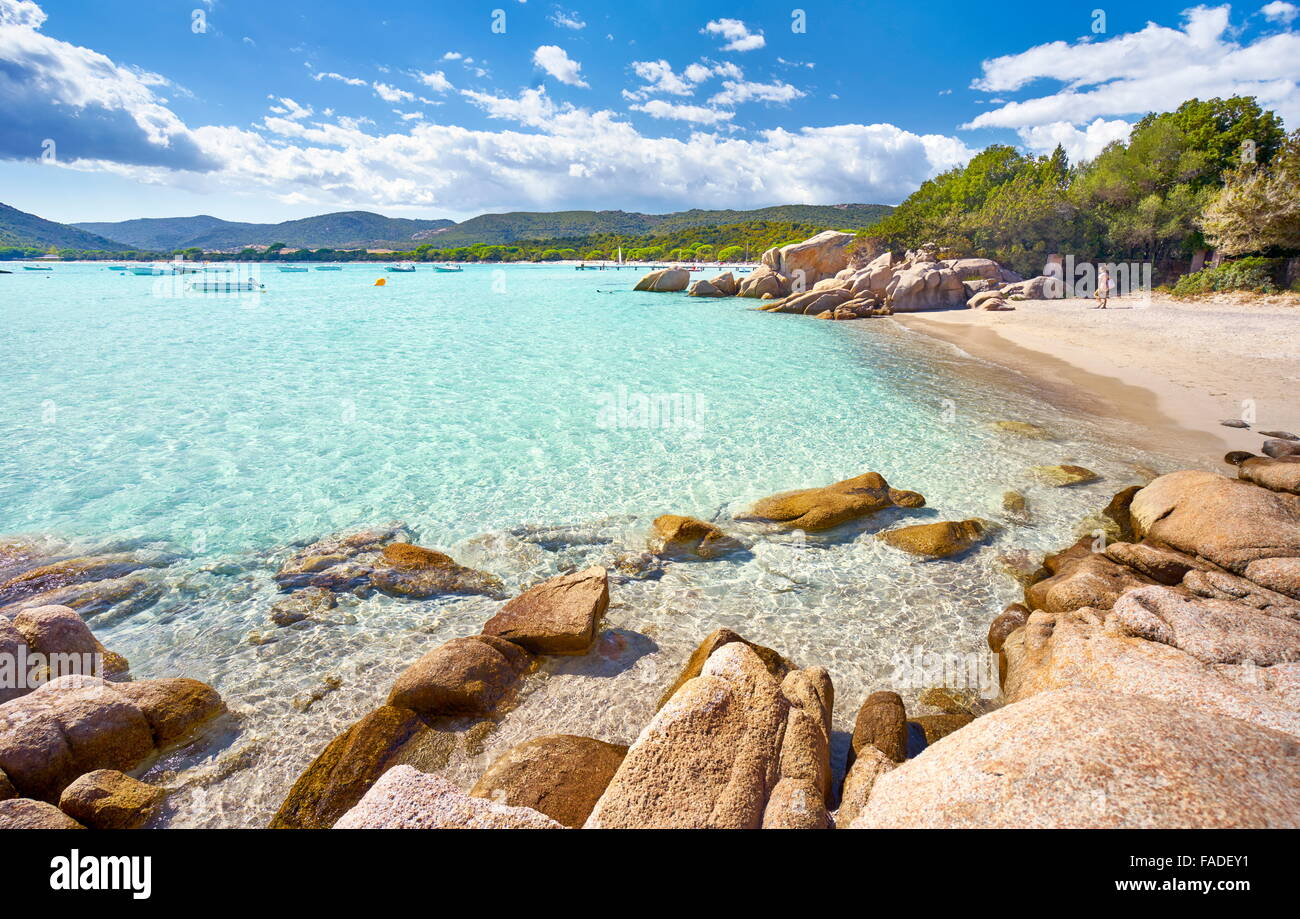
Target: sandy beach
[(1176, 366)]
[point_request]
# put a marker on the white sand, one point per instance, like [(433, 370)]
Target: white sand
[(1197, 362)]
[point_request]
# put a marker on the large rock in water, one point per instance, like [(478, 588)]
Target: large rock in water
[(667, 280), (822, 256), (1226, 521), (559, 775), (938, 540), (558, 616), (689, 536), (353, 761), (464, 676), (407, 799), (709, 758), (77, 724), (109, 800), (763, 283), (1082, 758), (831, 505)]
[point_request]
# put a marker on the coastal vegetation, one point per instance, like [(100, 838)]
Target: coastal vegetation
[(1217, 174)]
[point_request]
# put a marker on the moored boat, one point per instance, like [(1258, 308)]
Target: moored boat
[(329, 267), (447, 269), (225, 287), (401, 266), (37, 268), (293, 268)]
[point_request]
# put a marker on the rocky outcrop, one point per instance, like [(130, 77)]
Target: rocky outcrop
[(407, 799), (810, 261), (1086, 758), (831, 505), (464, 676), (882, 725), (558, 616), (1079, 577), (77, 724), (45, 642), (724, 285), (559, 775), (764, 284), (801, 798), (775, 663), (1279, 474), (938, 540), (709, 758), (666, 280), (109, 800)]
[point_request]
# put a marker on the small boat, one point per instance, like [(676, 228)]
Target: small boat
[(225, 287), (447, 269), (293, 268), (329, 267), (401, 266), (182, 268), (115, 268), (148, 270), (4, 271), (37, 268)]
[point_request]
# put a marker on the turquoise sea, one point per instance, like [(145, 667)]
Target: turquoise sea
[(525, 419)]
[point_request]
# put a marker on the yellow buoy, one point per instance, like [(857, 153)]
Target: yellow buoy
[(381, 282)]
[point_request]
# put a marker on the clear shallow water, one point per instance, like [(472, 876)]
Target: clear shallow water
[(481, 408)]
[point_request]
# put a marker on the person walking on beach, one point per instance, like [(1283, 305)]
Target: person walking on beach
[(1103, 286)]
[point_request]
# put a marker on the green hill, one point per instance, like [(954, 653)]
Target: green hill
[(342, 230), (22, 230)]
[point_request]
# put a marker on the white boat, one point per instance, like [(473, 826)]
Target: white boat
[(447, 269), (293, 268), (225, 287), (401, 266), (147, 270), (329, 267)]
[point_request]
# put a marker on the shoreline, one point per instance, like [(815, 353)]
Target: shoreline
[(1154, 370)]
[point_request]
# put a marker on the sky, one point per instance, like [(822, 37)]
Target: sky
[(260, 111)]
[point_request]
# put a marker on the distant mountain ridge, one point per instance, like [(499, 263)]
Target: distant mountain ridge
[(341, 230), (362, 229), (21, 229)]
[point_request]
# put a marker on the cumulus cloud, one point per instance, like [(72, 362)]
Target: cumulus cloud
[(698, 114), (1079, 144), (1280, 11), (735, 92), (1134, 73), (392, 93), (556, 61), (737, 34), (92, 108), (436, 81)]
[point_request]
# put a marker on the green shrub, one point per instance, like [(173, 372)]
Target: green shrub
[(1253, 274)]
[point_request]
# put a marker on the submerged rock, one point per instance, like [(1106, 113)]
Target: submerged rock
[(1064, 475), (938, 540), (302, 604), (559, 775), (1083, 758), (678, 535), (75, 571), (407, 799), (1023, 429), (832, 505), (558, 616)]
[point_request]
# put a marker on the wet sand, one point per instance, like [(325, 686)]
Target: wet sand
[(1175, 369)]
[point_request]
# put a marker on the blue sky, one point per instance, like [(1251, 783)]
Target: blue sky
[(269, 111)]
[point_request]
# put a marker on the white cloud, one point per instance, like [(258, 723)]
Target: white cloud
[(737, 34), (555, 61), (452, 56), (1079, 144), (351, 81), (291, 109), (1280, 11), (735, 92), (437, 81), (698, 114), (660, 77), (1140, 71), (392, 93), (23, 13), (567, 20)]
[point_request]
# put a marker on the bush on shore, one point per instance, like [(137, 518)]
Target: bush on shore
[(1247, 274)]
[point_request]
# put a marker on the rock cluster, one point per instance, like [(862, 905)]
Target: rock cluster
[(45, 572), (473, 676), (825, 277)]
